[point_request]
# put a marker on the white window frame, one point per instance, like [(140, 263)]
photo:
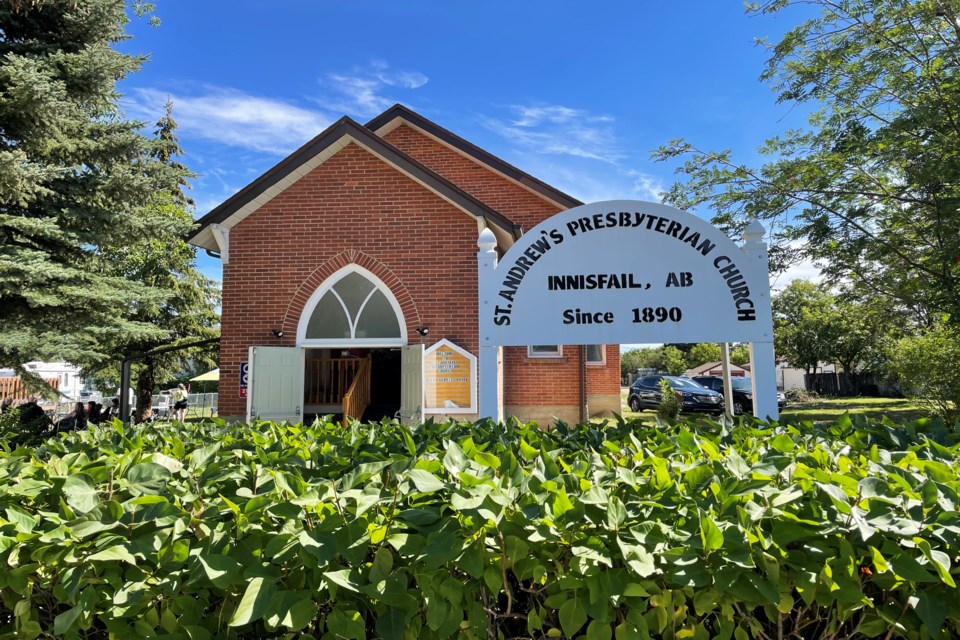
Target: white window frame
[(539, 354), (311, 305), (603, 356)]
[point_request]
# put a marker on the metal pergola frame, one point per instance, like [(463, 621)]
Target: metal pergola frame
[(125, 370)]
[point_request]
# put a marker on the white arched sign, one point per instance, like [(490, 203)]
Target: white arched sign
[(626, 271)]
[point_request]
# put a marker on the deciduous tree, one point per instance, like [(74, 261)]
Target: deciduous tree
[(703, 353), (927, 364), (673, 360), (802, 330), (871, 187), (740, 354), (644, 358)]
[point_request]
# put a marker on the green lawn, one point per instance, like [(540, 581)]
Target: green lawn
[(823, 409), (898, 410), (196, 414)]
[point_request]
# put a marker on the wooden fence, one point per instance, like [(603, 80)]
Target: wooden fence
[(842, 384), (14, 388)]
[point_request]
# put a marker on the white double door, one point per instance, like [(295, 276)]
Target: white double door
[(275, 384)]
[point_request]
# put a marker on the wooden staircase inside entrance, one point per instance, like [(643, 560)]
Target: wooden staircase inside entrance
[(343, 381)]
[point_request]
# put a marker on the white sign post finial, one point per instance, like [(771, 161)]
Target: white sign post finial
[(754, 232), (487, 241)]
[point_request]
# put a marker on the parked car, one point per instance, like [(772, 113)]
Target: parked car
[(742, 392), (90, 395), (645, 394)]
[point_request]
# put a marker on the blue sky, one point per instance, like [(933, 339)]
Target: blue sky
[(575, 93)]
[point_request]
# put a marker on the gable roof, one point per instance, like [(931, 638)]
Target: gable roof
[(338, 135), (398, 113), (710, 366)]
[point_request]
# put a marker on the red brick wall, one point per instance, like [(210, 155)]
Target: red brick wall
[(498, 193), (526, 381), (355, 208), (605, 379), (352, 208), (553, 381)]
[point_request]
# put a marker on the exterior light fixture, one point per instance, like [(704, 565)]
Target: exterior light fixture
[(278, 333), (423, 331)]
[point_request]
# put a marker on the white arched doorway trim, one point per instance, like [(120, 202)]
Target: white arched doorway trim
[(327, 285)]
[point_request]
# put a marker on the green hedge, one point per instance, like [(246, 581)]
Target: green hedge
[(628, 530)]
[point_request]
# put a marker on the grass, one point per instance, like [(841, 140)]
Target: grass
[(196, 414), (822, 409), (826, 409)]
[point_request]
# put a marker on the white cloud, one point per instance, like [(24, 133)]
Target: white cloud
[(404, 79), (531, 116), (589, 181), (235, 118), (361, 92), (647, 186), (559, 130), (803, 270)]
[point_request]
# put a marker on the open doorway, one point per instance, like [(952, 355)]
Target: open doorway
[(384, 384), (363, 383)]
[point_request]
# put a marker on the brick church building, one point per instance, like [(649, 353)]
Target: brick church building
[(350, 282)]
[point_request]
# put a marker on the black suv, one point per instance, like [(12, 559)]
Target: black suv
[(742, 392), (645, 394)]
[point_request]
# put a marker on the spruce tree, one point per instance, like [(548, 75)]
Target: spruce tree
[(77, 180), (165, 262)]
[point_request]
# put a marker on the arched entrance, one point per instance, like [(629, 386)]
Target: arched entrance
[(352, 331)]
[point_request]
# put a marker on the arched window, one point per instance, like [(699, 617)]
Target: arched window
[(352, 307)]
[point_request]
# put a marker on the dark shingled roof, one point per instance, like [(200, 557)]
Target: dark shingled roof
[(348, 127), (473, 151)]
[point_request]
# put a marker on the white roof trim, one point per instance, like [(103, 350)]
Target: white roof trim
[(207, 239)]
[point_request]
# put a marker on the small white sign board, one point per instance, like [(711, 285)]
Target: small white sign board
[(626, 271), (449, 379)]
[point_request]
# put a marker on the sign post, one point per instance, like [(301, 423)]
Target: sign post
[(626, 271), (489, 377), (727, 382), (762, 359)]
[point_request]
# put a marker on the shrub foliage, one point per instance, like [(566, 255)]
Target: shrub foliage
[(670, 404), (626, 530), (926, 366)]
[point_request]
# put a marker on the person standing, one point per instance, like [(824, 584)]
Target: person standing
[(180, 401)]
